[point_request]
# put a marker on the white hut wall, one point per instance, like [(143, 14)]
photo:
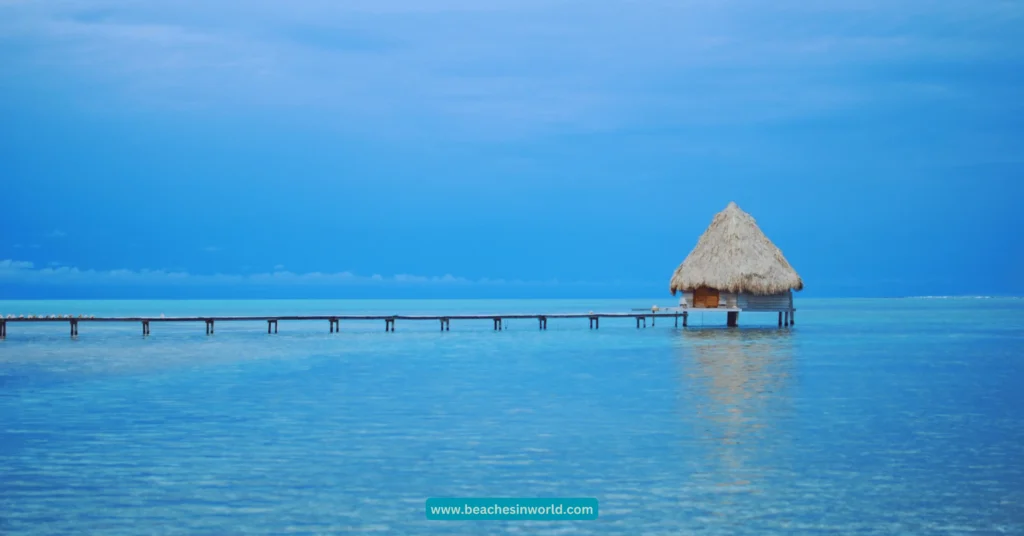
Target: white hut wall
[(771, 302), (686, 299)]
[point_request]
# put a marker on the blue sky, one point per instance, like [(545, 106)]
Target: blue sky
[(401, 148)]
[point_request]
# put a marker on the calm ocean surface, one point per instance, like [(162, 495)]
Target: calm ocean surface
[(868, 416)]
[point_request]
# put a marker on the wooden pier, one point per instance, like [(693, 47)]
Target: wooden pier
[(334, 321)]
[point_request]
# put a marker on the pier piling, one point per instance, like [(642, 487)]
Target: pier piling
[(792, 317), (499, 322)]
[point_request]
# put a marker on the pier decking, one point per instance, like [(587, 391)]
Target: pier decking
[(334, 321)]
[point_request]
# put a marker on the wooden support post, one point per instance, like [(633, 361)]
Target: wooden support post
[(732, 318), (145, 328), (209, 326), (686, 318), (653, 318), (389, 324), (542, 322), (677, 320), (268, 326), (645, 322), (792, 317), (638, 322), (74, 328), (785, 320), (780, 319), (3, 330)]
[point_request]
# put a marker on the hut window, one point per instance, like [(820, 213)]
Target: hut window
[(705, 297)]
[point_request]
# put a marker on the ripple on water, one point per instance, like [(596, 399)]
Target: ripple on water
[(846, 423)]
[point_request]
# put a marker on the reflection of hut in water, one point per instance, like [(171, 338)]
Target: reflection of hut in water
[(736, 387), (734, 268)]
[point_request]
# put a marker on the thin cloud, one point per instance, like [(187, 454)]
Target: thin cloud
[(508, 68), (12, 265), (25, 272), (56, 233)]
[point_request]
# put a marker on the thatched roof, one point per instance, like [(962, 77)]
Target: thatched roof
[(733, 255)]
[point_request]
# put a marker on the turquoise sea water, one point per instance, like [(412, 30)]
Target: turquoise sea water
[(867, 417)]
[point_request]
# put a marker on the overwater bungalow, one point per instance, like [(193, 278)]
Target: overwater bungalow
[(734, 268)]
